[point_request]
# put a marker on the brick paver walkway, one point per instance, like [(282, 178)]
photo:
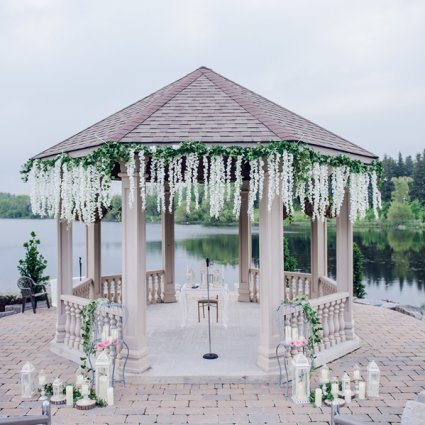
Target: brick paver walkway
[(395, 341)]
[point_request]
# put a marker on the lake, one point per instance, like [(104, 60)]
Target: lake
[(394, 265)]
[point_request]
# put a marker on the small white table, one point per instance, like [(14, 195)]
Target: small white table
[(189, 293)]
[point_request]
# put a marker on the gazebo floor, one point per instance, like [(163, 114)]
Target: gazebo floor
[(176, 351)]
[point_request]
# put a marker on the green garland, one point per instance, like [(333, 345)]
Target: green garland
[(313, 319), (106, 156)]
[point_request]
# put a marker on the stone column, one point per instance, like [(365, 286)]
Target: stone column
[(94, 257), (64, 276), (319, 254), (344, 262), (168, 251), (271, 278), (134, 277), (245, 245)]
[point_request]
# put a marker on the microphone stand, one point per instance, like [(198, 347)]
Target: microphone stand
[(210, 355)]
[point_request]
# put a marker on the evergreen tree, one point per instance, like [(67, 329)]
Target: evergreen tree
[(33, 264), (408, 166), (359, 290), (417, 190), (389, 167)]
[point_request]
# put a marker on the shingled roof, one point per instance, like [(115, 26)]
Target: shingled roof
[(206, 107)]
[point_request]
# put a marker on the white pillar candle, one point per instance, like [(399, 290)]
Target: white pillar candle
[(85, 390), (362, 390), (300, 391), (347, 396), (79, 381), (324, 375), (103, 387), (288, 334), (114, 333), (294, 334), (110, 396), (335, 389), (318, 398), (41, 380), (69, 395)]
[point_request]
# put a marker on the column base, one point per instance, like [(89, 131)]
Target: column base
[(243, 295), (266, 359), (138, 362), (170, 298)]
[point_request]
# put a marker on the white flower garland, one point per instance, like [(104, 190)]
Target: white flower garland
[(339, 180), (71, 190), (130, 166)]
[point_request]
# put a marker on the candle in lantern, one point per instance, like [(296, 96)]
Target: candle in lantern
[(295, 334), (362, 390), (85, 390), (318, 398), (347, 395), (114, 333), (335, 389), (300, 391), (41, 379), (69, 395), (110, 396), (103, 387), (288, 334), (356, 373)]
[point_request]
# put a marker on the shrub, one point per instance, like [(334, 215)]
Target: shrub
[(33, 264), (358, 285)]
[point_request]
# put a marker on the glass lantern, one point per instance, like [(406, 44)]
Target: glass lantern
[(345, 383), (42, 380), (103, 375), (301, 379), (373, 377), (58, 396), (28, 384)]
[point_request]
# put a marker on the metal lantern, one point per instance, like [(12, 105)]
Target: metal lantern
[(103, 375), (58, 396), (373, 377), (301, 379), (345, 383), (28, 384)]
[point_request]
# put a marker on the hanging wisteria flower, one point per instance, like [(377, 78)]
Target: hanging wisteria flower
[(339, 182), (130, 166)]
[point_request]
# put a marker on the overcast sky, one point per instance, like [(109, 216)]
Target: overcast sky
[(355, 67)]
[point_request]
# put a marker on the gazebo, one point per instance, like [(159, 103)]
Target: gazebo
[(228, 120)]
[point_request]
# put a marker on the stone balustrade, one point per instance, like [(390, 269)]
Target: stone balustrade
[(254, 285), (327, 286), (84, 289), (155, 286), (112, 288), (297, 284), (112, 316)]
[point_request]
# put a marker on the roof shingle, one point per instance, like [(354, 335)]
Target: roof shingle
[(206, 107)]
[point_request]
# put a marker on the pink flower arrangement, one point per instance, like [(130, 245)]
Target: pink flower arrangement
[(105, 344), (299, 343)]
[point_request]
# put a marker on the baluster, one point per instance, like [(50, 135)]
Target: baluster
[(342, 320), (326, 326), (147, 287), (77, 327), (257, 287), (120, 291), (254, 287), (336, 321), (104, 288), (301, 323), (72, 327), (331, 324), (157, 288), (320, 346), (294, 325), (308, 284), (320, 288), (67, 322), (162, 286)]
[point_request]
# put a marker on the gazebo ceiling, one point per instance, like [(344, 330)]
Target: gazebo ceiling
[(209, 108)]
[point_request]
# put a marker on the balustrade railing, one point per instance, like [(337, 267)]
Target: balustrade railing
[(155, 286), (254, 285), (111, 288), (110, 316), (84, 289), (327, 286), (331, 310), (297, 284)]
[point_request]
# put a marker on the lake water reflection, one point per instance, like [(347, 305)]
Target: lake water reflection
[(394, 265)]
